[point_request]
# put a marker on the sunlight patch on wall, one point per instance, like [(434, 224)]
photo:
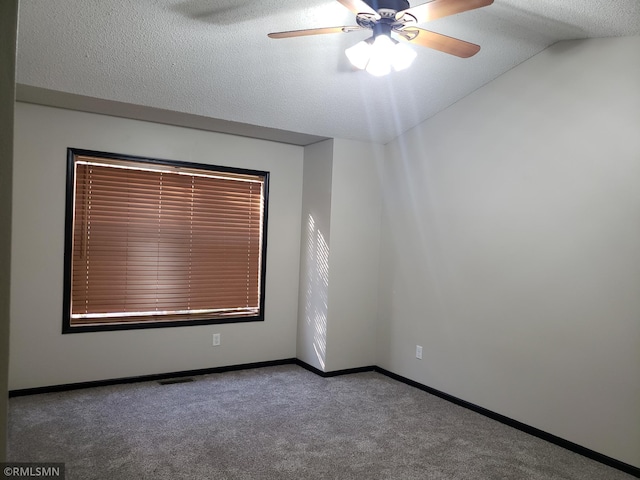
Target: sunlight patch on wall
[(317, 288)]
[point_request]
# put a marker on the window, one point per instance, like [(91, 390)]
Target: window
[(155, 243)]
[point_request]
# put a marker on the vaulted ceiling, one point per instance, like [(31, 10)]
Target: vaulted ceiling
[(212, 60)]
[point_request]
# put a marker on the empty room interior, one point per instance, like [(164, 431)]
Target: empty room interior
[(470, 226)]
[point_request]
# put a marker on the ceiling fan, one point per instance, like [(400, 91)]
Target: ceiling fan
[(379, 53)]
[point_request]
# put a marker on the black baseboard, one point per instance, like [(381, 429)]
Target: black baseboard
[(147, 378), (184, 373), (561, 442), (334, 373), (574, 447)]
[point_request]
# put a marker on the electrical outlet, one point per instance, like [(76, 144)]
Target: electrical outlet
[(216, 339), (419, 352)]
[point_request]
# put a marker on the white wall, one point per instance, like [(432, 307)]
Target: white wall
[(340, 248), (313, 304), (355, 247), (8, 29), (40, 354), (511, 247)]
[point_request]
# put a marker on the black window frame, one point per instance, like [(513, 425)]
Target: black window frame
[(68, 244)]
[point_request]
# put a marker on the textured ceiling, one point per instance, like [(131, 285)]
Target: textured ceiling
[(213, 59)]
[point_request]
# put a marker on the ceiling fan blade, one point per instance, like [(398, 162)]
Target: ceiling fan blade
[(358, 6), (440, 42), (314, 31), (441, 8)]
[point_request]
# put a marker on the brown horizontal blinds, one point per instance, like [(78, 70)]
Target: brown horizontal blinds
[(153, 245)]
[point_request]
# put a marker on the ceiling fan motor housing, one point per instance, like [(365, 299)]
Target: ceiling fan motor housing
[(385, 21), (395, 5)]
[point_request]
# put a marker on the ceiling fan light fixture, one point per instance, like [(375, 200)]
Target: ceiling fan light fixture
[(377, 55), (378, 67), (359, 54), (382, 47), (402, 56), (381, 56)]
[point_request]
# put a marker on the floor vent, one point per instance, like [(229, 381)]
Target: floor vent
[(171, 381)]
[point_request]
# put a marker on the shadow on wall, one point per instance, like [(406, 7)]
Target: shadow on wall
[(317, 292)]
